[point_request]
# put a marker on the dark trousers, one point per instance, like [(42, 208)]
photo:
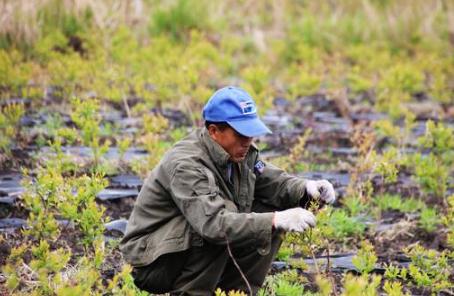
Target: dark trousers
[(200, 270)]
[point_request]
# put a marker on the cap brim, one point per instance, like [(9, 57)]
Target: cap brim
[(250, 128)]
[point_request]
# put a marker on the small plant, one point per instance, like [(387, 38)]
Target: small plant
[(87, 118), (179, 19), (396, 202), (219, 292), (392, 272), (387, 165), (12, 267), (360, 180), (41, 198), (287, 283), (284, 253), (344, 225), (429, 268), (394, 289), (257, 78), (177, 134), (440, 139), (44, 266), (79, 205), (398, 84), (431, 174), (325, 286), (403, 77), (10, 116), (154, 124), (358, 82), (447, 221), (61, 162), (298, 151), (153, 142), (306, 83), (361, 285), (73, 198), (284, 288), (123, 283), (354, 205), (365, 260), (429, 219), (123, 146), (432, 171)]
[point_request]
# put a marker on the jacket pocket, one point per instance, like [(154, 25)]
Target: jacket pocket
[(175, 229)]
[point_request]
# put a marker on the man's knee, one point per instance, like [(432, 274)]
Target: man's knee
[(160, 275)]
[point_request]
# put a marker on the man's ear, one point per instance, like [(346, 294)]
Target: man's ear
[(212, 130)]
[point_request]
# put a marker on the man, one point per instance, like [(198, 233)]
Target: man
[(212, 204)]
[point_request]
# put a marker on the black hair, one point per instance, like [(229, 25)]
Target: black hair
[(220, 125)]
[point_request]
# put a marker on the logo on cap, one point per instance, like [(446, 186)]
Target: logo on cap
[(248, 107)]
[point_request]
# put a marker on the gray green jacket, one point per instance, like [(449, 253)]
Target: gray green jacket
[(188, 198)]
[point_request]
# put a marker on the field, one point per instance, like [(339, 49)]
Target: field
[(359, 92)]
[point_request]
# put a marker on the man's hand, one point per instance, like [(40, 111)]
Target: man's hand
[(296, 219), (321, 190)]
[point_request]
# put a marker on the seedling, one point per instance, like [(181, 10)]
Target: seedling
[(365, 260), (10, 116), (86, 116)]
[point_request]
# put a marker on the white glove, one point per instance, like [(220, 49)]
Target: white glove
[(296, 219), (321, 189)]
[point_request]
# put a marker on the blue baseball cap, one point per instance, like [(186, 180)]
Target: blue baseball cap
[(236, 107)]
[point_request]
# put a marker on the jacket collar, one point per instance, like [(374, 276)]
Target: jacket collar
[(216, 152)]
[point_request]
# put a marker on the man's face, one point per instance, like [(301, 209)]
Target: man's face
[(235, 144)]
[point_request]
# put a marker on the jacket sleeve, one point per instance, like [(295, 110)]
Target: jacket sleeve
[(277, 188), (194, 190)]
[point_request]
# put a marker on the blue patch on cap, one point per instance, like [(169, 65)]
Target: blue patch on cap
[(259, 167)]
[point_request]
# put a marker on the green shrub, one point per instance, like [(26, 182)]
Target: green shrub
[(354, 205), (447, 221), (10, 117), (54, 14), (429, 219), (14, 72), (284, 288), (396, 202), (431, 173), (440, 139), (394, 289), (403, 78), (357, 82), (428, 268), (306, 83), (361, 285), (345, 226), (86, 116), (284, 253), (178, 19), (287, 283), (365, 259)]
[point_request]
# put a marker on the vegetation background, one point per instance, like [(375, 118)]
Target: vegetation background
[(130, 77)]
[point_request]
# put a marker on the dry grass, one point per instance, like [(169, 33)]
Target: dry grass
[(23, 20), (335, 23)]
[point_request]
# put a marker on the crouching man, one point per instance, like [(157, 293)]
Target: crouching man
[(212, 195)]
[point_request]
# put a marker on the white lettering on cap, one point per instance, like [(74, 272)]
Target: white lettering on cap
[(248, 107)]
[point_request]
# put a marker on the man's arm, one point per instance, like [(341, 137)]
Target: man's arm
[(194, 191), (275, 187)]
